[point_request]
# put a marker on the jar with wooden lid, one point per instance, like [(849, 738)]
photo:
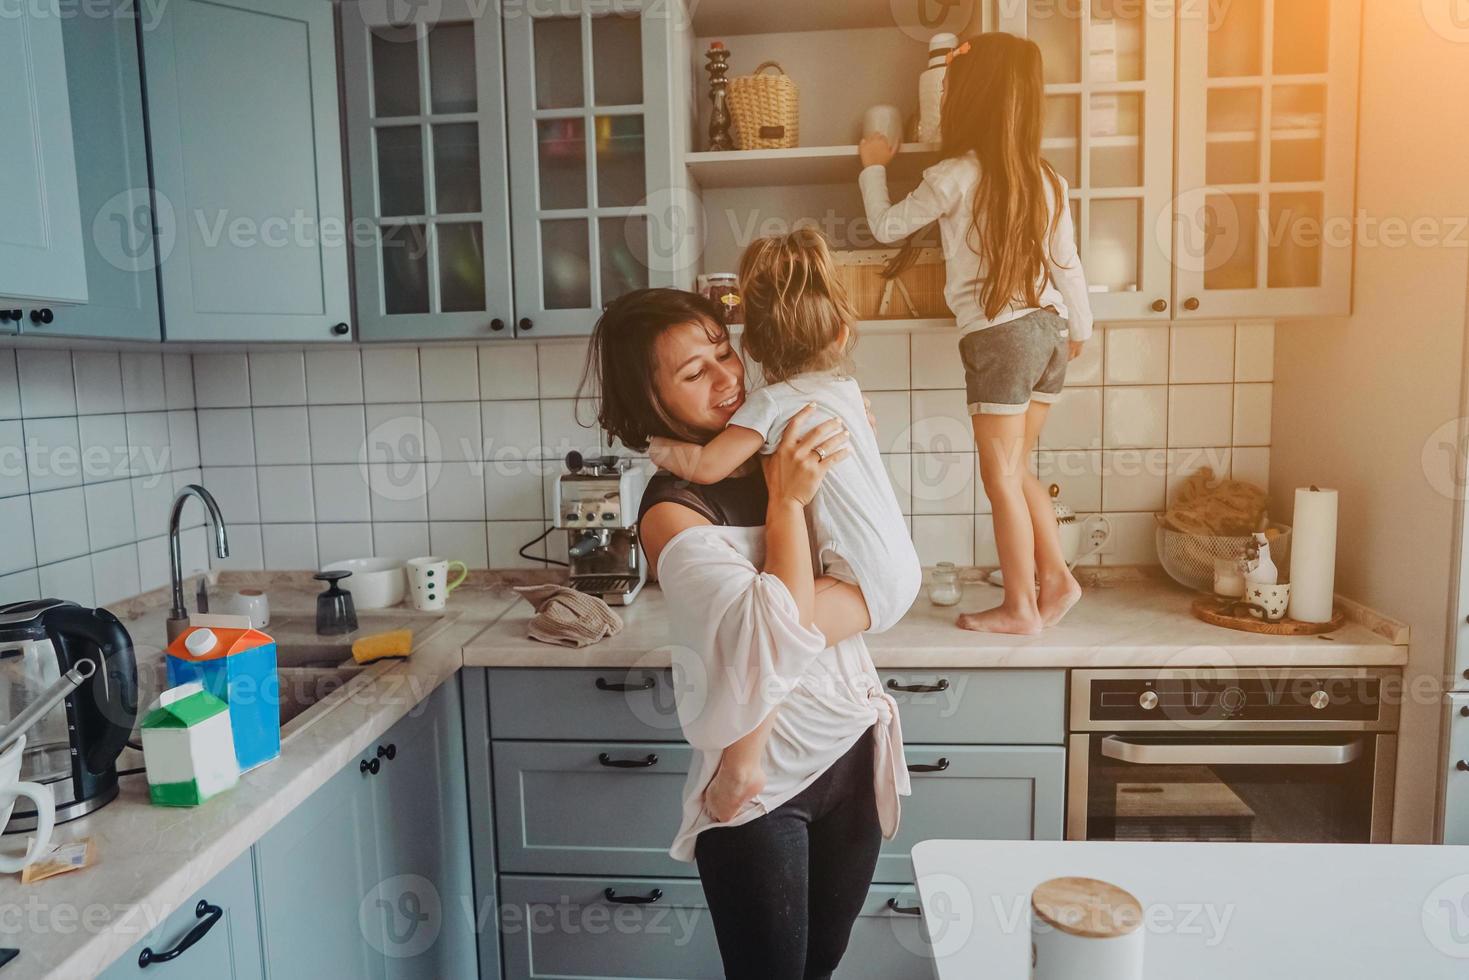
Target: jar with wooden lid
[(1085, 929)]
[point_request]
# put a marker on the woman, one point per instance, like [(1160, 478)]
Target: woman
[(754, 627)]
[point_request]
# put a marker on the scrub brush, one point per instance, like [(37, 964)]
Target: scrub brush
[(395, 643)]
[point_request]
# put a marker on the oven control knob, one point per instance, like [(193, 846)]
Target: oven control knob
[(1319, 700), (1148, 700)]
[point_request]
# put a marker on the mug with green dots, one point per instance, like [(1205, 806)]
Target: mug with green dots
[(428, 581)]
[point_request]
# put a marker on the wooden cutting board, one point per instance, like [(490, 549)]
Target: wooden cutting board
[(1215, 613)]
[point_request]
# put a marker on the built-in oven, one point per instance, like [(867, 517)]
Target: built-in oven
[(1297, 755)]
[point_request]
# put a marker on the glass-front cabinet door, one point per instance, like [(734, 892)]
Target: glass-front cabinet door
[(1266, 144), (1109, 132), (426, 130), (587, 101)]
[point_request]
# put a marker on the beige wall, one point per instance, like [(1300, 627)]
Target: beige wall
[(1357, 398)]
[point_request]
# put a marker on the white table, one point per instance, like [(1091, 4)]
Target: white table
[(1213, 911)]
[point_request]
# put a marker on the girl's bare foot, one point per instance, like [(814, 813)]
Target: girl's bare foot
[(731, 789), (1057, 596), (1002, 619)]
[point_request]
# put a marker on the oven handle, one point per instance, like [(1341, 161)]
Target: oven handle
[(1214, 754)]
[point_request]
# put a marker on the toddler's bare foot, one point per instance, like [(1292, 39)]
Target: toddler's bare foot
[(731, 789), (1002, 619), (1057, 597)]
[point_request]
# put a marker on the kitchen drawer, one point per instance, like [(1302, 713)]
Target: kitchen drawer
[(571, 703), (888, 943), (999, 707), (567, 927), (1456, 782), (559, 809), (990, 792)]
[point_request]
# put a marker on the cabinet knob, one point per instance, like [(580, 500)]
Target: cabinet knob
[(340, 329), (525, 323), (369, 765), (389, 751), (1160, 305), (42, 316), (1192, 303), (1462, 766), (1464, 711), (8, 315), (497, 324)]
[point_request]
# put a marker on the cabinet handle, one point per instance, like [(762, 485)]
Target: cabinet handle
[(1462, 766), (209, 914), (8, 315), (369, 765), (497, 324), (525, 323), (942, 685), (649, 899), (42, 316), (1160, 305), (607, 760), (340, 329), (939, 766), (1192, 303), (904, 909), (1464, 711), (389, 752), (647, 684)]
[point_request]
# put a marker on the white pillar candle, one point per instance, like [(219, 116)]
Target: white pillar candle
[(1313, 555)]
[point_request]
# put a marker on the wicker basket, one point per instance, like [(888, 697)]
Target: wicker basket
[(921, 294), (765, 109), (1189, 558)]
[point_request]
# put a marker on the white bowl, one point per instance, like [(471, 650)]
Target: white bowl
[(375, 583)]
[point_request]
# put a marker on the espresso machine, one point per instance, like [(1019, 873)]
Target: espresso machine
[(597, 506), (73, 747)]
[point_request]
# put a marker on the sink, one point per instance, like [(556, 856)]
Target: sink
[(303, 687)]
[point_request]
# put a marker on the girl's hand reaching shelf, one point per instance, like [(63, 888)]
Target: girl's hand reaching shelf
[(876, 151)]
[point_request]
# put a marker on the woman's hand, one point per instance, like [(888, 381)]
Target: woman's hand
[(1076, 347), (799, 463), (875, 150)]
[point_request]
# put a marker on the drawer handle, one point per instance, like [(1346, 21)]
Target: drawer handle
[(904, 909), (647, 684), (209, 914), (607, 760), (942, 685), (1462, 766), (939, 766), (649, 899)]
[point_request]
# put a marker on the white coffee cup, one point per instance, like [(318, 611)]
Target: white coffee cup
[(1273, 599), (10, 788), (428, 581), (253, 605)]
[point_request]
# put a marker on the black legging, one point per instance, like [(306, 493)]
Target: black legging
[(784, 889)]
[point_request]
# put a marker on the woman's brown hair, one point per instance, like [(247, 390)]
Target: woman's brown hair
[(795, 307), (621, 362), (994, 101)]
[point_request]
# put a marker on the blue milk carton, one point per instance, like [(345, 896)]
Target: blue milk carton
[(238, 667)]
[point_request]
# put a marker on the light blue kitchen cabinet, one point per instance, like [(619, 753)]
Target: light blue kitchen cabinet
[(583, 703), (888, 941), (426, 144), (1456, 770), (242, 104), (591, 157), (41, 254), (426, 900), (976, 792), (113, 184), (589, 807), (214, 933), (316, 872)]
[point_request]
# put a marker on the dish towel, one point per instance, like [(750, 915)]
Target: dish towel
[(568, 617)]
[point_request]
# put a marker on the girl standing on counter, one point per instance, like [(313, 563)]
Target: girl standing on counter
[(1015, 285)]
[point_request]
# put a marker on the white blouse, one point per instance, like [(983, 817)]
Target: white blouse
[(740, 651)]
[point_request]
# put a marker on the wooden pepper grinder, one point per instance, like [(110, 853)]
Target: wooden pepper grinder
[(717, 66)]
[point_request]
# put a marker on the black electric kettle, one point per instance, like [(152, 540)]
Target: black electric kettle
[(74, 747)]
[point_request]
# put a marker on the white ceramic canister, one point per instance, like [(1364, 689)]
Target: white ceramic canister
[(931, 86), (884, 120), (1085, 929)]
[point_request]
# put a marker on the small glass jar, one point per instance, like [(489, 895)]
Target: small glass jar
[(943, 585), (724, 288)]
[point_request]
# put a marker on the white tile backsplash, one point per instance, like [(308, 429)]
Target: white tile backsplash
[(465, 442)]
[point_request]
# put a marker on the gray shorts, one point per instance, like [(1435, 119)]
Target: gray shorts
[(1010, 365)]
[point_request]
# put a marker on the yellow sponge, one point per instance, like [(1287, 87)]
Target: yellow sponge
[(396, 643)]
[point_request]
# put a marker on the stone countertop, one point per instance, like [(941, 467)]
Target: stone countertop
[(150, 859), (1128, 618)]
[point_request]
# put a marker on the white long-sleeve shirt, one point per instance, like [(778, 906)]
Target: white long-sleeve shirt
[(739, 652), (946, 195)]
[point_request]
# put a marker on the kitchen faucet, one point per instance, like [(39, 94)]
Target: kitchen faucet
[(178, 615)]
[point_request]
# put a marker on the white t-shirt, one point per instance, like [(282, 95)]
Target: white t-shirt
[(857, 526), (946, 195)]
